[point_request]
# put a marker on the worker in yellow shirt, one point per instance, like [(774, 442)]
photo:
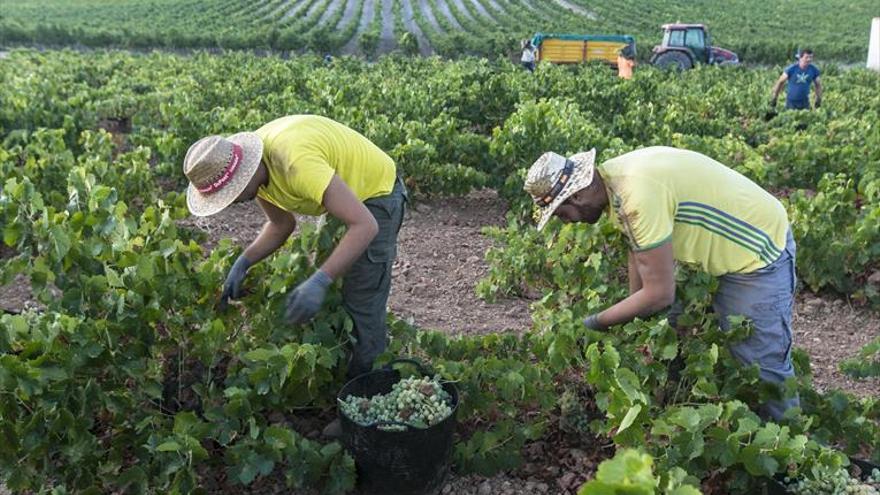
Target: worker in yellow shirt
[(678, 205), (310, 165)]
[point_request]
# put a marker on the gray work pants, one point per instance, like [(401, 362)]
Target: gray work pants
[(367, 283)]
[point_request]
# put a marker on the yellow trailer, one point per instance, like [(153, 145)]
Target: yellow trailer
[(577, 48)]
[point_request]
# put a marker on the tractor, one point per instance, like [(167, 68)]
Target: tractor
[(685, 45)]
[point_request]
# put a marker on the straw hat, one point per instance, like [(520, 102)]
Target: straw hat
[(554, 178), (219, 169)]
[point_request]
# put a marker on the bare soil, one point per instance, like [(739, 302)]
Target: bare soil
[(459, 4), (482, 10), (387, 41), (447, 12), (412, 26), (366, 19), (425, 7), (831, 330), (334, 6), (440, 259), (348, 16)]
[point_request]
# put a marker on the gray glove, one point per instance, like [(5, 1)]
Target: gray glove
[(305, 301), (592, 322), (232, 286)]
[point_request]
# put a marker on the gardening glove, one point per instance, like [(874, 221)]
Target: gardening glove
[(818, 103), (232, 286), (592, 322), (772, 102), (305, 301)]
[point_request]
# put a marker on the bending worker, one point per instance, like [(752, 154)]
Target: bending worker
[(310, 165), (679, 205)]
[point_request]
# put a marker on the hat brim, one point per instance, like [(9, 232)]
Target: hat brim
[(581, 177), (203, 205)]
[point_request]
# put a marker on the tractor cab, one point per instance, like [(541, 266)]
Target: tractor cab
[(685, 45)]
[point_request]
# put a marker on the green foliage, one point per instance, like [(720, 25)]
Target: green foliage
[(867, 364), (752, 30), (630, 472), (130, 380)]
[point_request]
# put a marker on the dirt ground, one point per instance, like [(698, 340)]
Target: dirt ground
[(440, 260)]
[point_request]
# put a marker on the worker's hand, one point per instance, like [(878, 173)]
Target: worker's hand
[(772, 102), (592, 322), (232, 286), (818, 103), (305, 301)]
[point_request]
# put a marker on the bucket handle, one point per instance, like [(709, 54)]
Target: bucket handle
[(419, 367)]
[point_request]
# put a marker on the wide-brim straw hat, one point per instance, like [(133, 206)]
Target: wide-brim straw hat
[(553, 178), (219, 169)]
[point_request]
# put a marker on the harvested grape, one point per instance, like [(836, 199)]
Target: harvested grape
[(418, 402)]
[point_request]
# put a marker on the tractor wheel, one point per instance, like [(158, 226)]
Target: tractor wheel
[(673, 60)]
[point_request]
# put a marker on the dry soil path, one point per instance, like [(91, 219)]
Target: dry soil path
[(409, 21), (387, 40), (484, 14), (366, 19), (294, 10), (348, 16), (334, 7), (425, 8), (447, 12)]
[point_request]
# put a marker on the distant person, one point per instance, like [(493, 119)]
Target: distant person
[(528, 55), (800, 77), (626, 60)]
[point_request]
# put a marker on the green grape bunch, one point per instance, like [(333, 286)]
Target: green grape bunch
[(417, 402), (838, 482)]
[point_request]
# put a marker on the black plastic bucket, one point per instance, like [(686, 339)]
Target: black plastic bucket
[(409, 462)]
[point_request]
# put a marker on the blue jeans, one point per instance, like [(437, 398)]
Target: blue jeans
[(766, 297), (797, 105)]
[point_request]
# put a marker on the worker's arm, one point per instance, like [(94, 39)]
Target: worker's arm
[(278, 227), (339, 200), (778, 87), (656, 269), (818, 93)]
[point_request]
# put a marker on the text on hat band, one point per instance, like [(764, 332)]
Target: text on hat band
[(227, 174)]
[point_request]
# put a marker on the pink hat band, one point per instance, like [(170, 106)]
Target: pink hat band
[(228, 172)]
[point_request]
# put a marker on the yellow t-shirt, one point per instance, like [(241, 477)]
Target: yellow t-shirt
[(303, 152), (714, 216)]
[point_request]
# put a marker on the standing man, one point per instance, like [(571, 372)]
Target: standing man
[(799, 76), (678, 205), (528, 55), (310, 165), (626, 60)]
